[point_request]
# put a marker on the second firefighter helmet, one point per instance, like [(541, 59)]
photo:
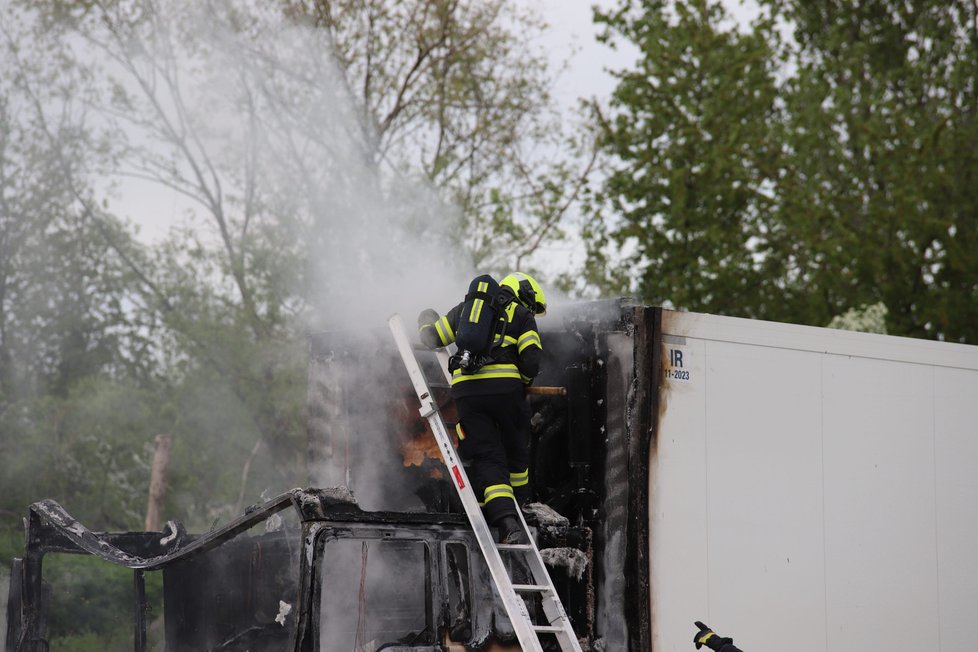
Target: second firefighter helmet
[(527, 291)]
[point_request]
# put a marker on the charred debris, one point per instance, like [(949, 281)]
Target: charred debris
[(386, 559)]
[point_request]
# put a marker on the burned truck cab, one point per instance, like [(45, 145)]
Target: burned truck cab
[(306, 571), (384, 559)]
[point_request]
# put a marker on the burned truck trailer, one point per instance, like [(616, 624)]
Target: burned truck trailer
[(771, 480), (386, 559), (327, 576), (588, 462)]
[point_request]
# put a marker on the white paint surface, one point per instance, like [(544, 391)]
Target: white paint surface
[(816, 487)]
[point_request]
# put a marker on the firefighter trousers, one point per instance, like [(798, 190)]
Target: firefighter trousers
[(494, 445)]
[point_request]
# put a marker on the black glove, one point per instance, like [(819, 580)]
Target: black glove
[(709, 638), (428, 316)]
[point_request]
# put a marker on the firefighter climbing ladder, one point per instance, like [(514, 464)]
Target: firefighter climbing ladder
[(527, 632)]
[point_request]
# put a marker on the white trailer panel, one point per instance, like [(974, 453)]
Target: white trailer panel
[(955, 419), (813, 489)]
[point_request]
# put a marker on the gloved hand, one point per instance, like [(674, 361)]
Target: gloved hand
[(709, 638), (427, 316)]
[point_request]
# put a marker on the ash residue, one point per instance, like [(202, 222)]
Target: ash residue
[(339, 494), (574, 561), (316, 503), (540, 514)]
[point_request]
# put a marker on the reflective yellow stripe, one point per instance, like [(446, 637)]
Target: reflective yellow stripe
[(447, 325), (499, 491), (706, 638), (441, 334), (445, 332), (476, 310), (488, 371), (525, 379), (520, 479), (529, 338), (507, 341), (459, 431)]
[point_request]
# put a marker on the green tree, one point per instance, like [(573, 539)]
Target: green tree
[(852, 179), (72, 354), (681, 216), (192, 102), (880, 190), (296, 146)]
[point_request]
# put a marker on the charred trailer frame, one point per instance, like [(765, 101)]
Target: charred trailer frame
[(232, 588), (590, 449), (418, 579)]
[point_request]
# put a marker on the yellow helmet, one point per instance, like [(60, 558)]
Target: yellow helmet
[(527, 291)]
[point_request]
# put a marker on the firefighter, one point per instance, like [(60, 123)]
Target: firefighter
[(709, 638), (493, 413)]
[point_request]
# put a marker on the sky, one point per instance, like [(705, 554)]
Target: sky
[(572, 37)]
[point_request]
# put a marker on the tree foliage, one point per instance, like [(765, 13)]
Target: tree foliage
[(305, 151), (690, 127), (450, 91), (64, 290), (794, 178), (867, 319), (306, 142), (882, 105)]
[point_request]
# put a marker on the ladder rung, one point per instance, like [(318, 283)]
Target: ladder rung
[(511, 595), (513, 546), (548, 629)]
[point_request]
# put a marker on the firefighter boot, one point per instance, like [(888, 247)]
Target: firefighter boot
[(510, 530)]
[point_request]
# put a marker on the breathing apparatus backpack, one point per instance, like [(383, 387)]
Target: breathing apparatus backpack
[(478, 324)]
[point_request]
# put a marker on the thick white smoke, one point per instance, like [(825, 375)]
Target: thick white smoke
[(249, 115), (371, 239), (376, 239), (243, 112)]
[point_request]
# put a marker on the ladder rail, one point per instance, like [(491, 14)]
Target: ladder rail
[(512, 602), (553, 609), (442, 355)]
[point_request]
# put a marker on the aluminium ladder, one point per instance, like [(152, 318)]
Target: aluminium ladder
[(527, 632)]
